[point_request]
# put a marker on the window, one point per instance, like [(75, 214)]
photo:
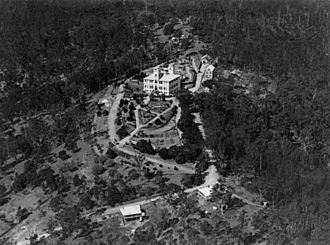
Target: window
[(151, 87), (160, 82)]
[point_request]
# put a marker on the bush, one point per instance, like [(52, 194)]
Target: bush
[(125, 110), (130, 119), (145, 147), (132, 107), (3, 200), (192, 152), (112, 154), (109, 163), (118, 122), (158, 122), (70, 143), (234, 203), (206, 228), (123, 102), (169, 28), (98, 169), (163, 153), (122, 132), (105, 113), (173, 151), (3, 190), (63, 155), (180, 158), (149, 175), (133, 174), (188, 181), (77, 181)]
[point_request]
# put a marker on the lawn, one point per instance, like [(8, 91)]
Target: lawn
[(159, 138)]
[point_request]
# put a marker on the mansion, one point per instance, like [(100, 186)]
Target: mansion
[(163, 80)]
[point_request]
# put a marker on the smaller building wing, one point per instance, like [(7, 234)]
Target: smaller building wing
[(169, 77), (150, 77)]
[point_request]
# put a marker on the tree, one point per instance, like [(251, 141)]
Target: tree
[(113, 196), (132, 107), (77, 181), (111, 153), (22, 214), (188, 180), (206, 228), (2, 190), (164, 153), (122, 132), (180, 158), (63, 155), (145, 147)]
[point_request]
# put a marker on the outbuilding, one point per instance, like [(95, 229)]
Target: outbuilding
[(205, 192), (132, 213), (105, 102), (209, 72)]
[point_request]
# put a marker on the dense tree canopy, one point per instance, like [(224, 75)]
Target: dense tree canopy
[(52, 52)]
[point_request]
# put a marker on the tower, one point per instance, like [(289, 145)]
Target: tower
[(157, 74)]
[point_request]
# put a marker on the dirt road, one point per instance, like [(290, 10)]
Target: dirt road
[(198, 84), (113, 115)]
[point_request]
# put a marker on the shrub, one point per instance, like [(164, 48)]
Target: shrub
[(132, 107), (188, 181), (130, 119), (77, 181), (133, 174), (98, 169), (158, 122), (118, 121), (105, 113), (164, 153), (180, 158), (125, 110), (63, 155), (112, 154), (3, 190), (122, 132), (145, 147), (173, 151)]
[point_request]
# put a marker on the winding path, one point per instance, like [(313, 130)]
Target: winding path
[(113, 115), (121, 144)]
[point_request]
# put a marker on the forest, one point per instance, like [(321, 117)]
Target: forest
[(282, 140), (53, 52)]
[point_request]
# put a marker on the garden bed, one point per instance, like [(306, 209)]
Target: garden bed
[(145, 116)]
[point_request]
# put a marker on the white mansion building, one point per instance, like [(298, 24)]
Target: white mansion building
[(163, 80)]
